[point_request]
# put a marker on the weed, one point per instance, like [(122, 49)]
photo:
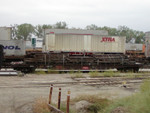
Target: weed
[(130, 75), (94, 74), (40, 72), (20, 74), (63, 107), (137, 103), (109, 74), (133, 75), (71, 72), (40, 106), (50, 71), (97, 103), (145, 86), (77, 75)]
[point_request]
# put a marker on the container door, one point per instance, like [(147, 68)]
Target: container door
[(87, 43)]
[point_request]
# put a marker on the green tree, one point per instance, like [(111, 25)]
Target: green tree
[(92, 27), (111, 31), (130, 34), (60, 25), (24, 31), (47, 26), (125, 31), (140, 37), (121, 31), (38, 31)]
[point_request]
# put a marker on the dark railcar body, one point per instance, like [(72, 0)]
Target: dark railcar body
[(1, 55)]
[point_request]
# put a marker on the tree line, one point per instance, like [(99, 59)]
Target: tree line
[(25, 31)]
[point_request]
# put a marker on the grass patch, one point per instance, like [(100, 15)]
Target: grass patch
[(63, 107), (40, 72), (130, 75), (137, 103), (20, 74), (133, 75), (109, 74), (50, 71), (71, 72), (77, 75), (94, 74), (40, 106), (145, 87), (97, 103)]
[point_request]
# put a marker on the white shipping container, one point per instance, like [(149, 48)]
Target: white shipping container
[(39, 42), (74, 31), (28, 44), (147, 44), (135, 47), (13, 47), (5, 33), (84, 43)]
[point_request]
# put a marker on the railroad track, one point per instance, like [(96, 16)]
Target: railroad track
[(101, 81), (94, 81)]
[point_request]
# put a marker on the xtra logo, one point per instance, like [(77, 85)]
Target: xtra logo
[(108, 39), (11, 47)]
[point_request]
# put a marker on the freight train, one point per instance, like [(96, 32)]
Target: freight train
[(65, 49)]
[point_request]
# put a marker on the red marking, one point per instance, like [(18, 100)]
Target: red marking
[(79, 53), (108, 39), (75, 34), (70, 33), (59, 67), (85, 68)]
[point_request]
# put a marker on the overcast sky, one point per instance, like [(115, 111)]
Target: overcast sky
[(77, 13)]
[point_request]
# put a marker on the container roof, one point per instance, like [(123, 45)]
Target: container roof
[(76, 32), (147, 34)]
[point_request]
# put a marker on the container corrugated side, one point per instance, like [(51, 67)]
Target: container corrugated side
[(135, 47), (5, 33), (13, 47), (147, 44), (108, 44), (64, 42), (84, 43), (73, 32)]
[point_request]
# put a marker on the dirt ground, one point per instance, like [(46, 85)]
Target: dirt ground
[(17, 94)]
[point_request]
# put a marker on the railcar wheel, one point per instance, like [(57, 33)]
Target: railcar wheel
[(121, 69), (136, 70), (25, 69)]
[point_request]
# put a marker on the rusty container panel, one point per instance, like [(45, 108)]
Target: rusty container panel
[(13, 47), (147, 44), (143, 48), (5, 33)]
